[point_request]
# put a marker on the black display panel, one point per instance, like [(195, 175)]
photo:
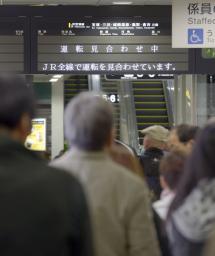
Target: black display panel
[(107, 45), (14, 45), (133, 77), (205, 61)]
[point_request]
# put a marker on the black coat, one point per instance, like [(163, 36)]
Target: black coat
[(42, 210), (150, 161)]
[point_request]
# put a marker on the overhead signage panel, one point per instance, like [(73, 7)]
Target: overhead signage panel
[(13, 47), (133, 77), (193, 24), (106, 45)]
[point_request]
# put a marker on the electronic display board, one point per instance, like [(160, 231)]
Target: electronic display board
[(13, 45), (107, 45), (133, 77)]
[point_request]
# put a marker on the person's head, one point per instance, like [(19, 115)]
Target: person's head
[(89, 122), (182, 137), (17, 107), (200, 165), (155, 136), (171, 169)]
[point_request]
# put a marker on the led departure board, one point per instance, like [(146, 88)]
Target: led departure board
[(106, 45), (13, 49), (133, 77)]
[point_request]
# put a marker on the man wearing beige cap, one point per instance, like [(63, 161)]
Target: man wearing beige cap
[(154, 143)]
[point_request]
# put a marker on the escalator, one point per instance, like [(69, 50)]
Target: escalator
[(74, 85), (150, 104)]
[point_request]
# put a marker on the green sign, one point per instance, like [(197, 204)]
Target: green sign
[(208, 53)]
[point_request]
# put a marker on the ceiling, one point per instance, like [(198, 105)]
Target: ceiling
[(84, 2)]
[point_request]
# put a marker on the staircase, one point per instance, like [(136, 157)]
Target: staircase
[(150, 104)]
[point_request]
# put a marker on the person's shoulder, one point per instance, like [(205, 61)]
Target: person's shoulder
[(146, 154), (58, 178), (62, 162), (125, 174)]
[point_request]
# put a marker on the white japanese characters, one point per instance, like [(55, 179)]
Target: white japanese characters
[(107, 67), (122, 49)]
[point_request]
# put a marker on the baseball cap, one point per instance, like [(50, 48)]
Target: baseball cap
[(156, 132)]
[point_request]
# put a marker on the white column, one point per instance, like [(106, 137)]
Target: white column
[(57, 120), (202, 100), (180, 105), (186, 99), (94, 82), (191, 99)]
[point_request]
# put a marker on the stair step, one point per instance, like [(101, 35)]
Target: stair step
[(154, 119), (147, 89), (149, 92), (148, 85), (149, 98), (145, 112), (152, 106)]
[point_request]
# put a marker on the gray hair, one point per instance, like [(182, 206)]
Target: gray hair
[(88, 121)]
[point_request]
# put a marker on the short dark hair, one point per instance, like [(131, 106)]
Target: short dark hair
[(171, 168), (16, 98), (186, 132)]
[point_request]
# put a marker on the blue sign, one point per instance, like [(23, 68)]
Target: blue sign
[(195, 36)]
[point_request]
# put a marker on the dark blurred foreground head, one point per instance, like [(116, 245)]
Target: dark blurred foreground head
[(182, 137), (89, 122), (191, 217), (200, 166), (16, 106), (171, 169), (43, 210)]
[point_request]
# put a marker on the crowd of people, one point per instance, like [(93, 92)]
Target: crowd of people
[(99, 198)]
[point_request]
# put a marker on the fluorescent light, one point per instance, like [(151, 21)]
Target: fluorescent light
[(53, 80), (57, 76), (122, 3), (128, 75)]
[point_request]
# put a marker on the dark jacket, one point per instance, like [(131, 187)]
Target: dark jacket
[(161, 234), (43, 211), (150, 161)]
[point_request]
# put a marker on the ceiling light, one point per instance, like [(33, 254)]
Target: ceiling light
[(57, 76), (122, 3), (53, 80)]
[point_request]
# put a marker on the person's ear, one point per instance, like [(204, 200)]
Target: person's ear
[(163, 182), (190, 145), (25, 126), (113, 135), (111, 138)]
